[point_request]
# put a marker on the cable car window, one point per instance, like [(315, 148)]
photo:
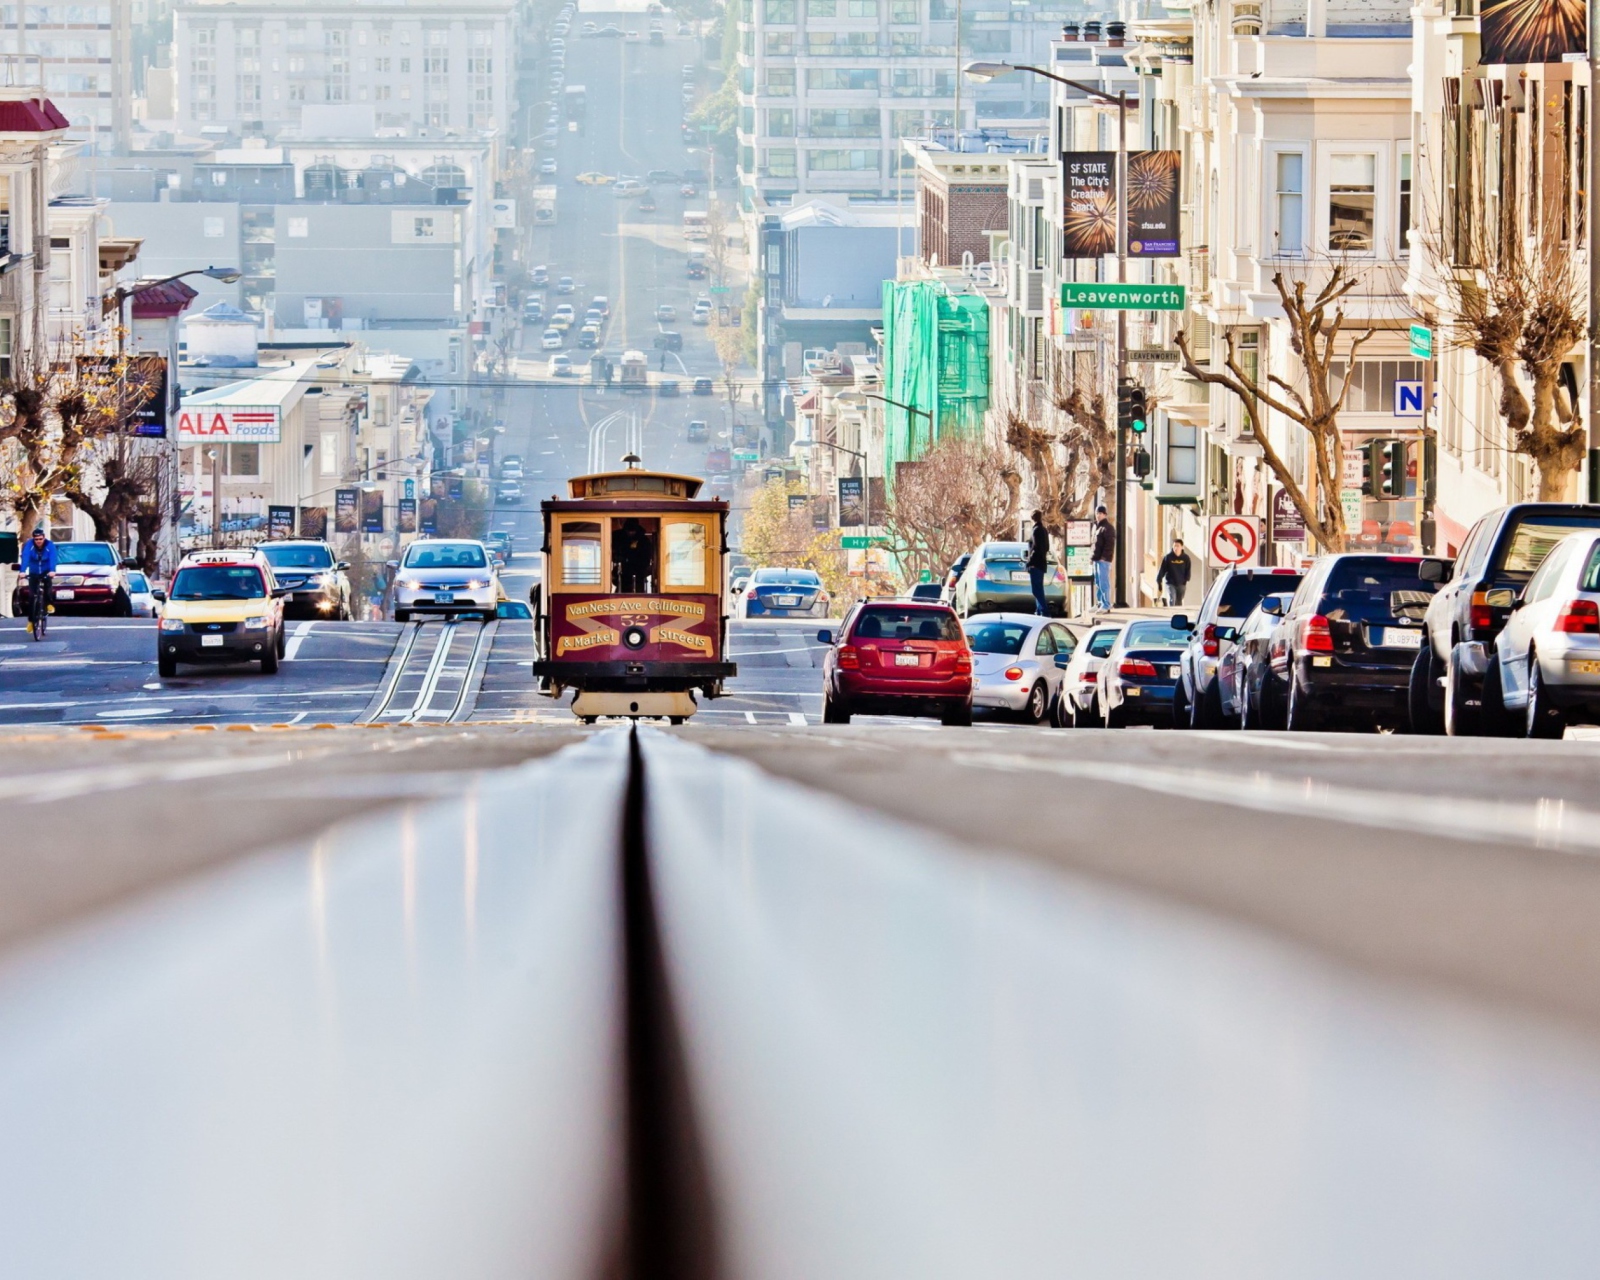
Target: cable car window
[(581, 561), (685, 548), (633, 554)]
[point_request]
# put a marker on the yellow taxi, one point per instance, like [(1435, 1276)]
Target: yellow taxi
[(221, 607)]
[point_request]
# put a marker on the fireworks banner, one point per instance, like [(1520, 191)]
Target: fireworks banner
[(1089, 220), (1524, 31), (1153, 204)]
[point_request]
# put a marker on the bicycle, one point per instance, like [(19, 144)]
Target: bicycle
[(38, 604)]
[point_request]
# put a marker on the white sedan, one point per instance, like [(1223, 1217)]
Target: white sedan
[(552, 339), (1018, 662), (1544, 673), (1076, 707)]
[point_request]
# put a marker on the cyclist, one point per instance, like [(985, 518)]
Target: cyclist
[(38, 561)]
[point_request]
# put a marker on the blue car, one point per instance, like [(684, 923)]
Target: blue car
[(785, 593), (1139, 675)]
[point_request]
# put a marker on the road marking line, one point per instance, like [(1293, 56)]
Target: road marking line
[(798, 717), (1545, 823), (297, 717), (292, 649), (749, 717)]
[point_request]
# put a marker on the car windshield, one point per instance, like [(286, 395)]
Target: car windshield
[(1154, 635), (138, 584), (787, 578), (1531, 541), (84, 553), (310, 556), (1376, 589), (997, 637), (887, 622), (219, 582), (1245, 590), (1101, 641), (447, 555)]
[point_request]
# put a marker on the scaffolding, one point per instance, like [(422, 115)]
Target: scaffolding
[(935, 359)]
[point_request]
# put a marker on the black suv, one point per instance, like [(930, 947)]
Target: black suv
[(1475, 596), (1197, 700), (1344, 650)]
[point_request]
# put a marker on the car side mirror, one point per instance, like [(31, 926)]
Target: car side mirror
[(1227, 633), (393, 564), (1502, 598), (342, 565), (130, 563), (1435, 570), (279, 592), (1180, 622), (159, 595), (1272, 607), (824, 636), (1062, 659)]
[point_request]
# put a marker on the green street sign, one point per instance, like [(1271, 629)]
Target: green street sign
[(746, 455), (860, 542), (925, 576), (720, 288), (1421, 342), (1123, 297)]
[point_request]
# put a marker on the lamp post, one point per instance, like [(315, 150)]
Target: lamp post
[(985, 71), (117, 299), (216, 497)]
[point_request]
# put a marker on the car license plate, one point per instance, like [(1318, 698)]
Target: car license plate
[(1586, 666), (786, 602), (907, 660), (1019, 577), (444, 597), (1402, 638), (1172, 672), (65, 593), (211, 642)]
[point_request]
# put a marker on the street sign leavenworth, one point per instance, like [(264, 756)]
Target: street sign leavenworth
[(1123, 297), (860, 542), (1152, 355)]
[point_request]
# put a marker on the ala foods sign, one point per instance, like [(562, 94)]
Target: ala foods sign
[(201, 424)]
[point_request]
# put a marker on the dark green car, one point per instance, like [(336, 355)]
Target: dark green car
[(996, 580)]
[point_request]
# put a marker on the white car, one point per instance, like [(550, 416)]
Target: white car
[(561, 365), (552, 339), (145, 605), (445, 576), (628, 188), (1018, 661), (1544, 672), (1079, 682), (547, 166)]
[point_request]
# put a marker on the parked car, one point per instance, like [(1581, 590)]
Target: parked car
[(1233, 594), (1018, 661), (312, 577), (897, 659), (1344, 652), (927, 591), (785, 593), (996, 579), (141, 595), (1545, 670), (1140, 672), (954, 576), (1499, 556), (1078, 706), (90, 577), (1243, 671)]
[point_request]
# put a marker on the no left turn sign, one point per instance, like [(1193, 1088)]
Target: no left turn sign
[(1234, 540)]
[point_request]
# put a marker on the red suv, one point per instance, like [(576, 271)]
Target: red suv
[(900, 658)]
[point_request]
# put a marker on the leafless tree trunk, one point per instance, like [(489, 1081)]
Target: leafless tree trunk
[(959, 493)]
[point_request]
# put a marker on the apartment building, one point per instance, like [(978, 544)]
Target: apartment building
[(432, 70), (828, 88), (81, 54)]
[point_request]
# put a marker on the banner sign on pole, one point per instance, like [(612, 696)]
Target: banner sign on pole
[(1089, 215), (372, 511), (406, 516), (798, 501), (148, 417), (1288, 525), (314, 522), (280, 522), (852, 501), (346, 510), (1153, 204)]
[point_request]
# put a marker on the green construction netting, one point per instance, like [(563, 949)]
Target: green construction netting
[(935, 357)]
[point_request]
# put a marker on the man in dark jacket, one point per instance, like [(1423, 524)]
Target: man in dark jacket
[(1038, 562), (1102, 554), (1176, 566)]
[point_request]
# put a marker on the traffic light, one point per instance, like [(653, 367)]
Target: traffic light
[(1391, 468), (1132, 407), (1141, 463), (1369, 468)]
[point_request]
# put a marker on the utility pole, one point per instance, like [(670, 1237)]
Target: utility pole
[(1119, 595)]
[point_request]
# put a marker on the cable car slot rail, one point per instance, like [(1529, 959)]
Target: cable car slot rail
[(423, 673)]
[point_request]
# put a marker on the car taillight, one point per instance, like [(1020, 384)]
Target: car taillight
[(1579, 618), (1208, 641), (848, 658), (1013, 673), (1315, 635), (1482, 616), (1135, 667), (982, 573), (963, 661)]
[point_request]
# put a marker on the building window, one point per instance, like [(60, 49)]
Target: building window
[(780, 44), (843, 122), (840, 78), (203, 72), (904, 12), (5, 347), (861, 9), (780, 82), (855, 161), (242, 460), (906, 124), (842, 44), (822, 8), (299, 228), (780, 123), (329, 463), (1352, 189), (778, 11), (1403, 244), (1291, 202), (781, 163), (336, 49), (1183, 452), (1372, 383)]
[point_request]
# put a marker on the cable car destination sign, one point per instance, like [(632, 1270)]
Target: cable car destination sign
[(1123, 297)]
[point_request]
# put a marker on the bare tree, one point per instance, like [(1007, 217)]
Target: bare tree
[(1316, 331), (958, 494)]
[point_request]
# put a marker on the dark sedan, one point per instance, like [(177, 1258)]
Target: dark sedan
[(785, 593), (1139, 675)]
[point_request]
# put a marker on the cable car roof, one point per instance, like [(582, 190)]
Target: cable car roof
[(634, 483)]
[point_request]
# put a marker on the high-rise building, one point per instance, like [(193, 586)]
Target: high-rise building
[(828, 88), (82, 54), (255, 67)]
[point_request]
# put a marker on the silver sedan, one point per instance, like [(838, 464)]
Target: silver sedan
[(1018, 660), (445, 576)]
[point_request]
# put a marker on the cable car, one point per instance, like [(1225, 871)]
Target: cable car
[(632, 613)]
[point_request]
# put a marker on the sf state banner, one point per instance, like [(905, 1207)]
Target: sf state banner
[(1532, 31), (1089, 219), (1153, 204), (346, 511)]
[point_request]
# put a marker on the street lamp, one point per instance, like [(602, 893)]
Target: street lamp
[(981, 73), (118, 297)]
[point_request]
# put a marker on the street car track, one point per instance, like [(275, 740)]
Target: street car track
[(424, 672)]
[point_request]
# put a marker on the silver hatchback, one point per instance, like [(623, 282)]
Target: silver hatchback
[(1018, 661), (445, 576)]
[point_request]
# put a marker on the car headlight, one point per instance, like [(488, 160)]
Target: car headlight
[(255, 624), (475, 584), (408, 583), (173, 624), (68, 579), (324, 580)]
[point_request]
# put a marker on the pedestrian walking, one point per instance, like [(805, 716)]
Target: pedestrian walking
[(1174, 573), (1101, 555), (1038, 562)]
